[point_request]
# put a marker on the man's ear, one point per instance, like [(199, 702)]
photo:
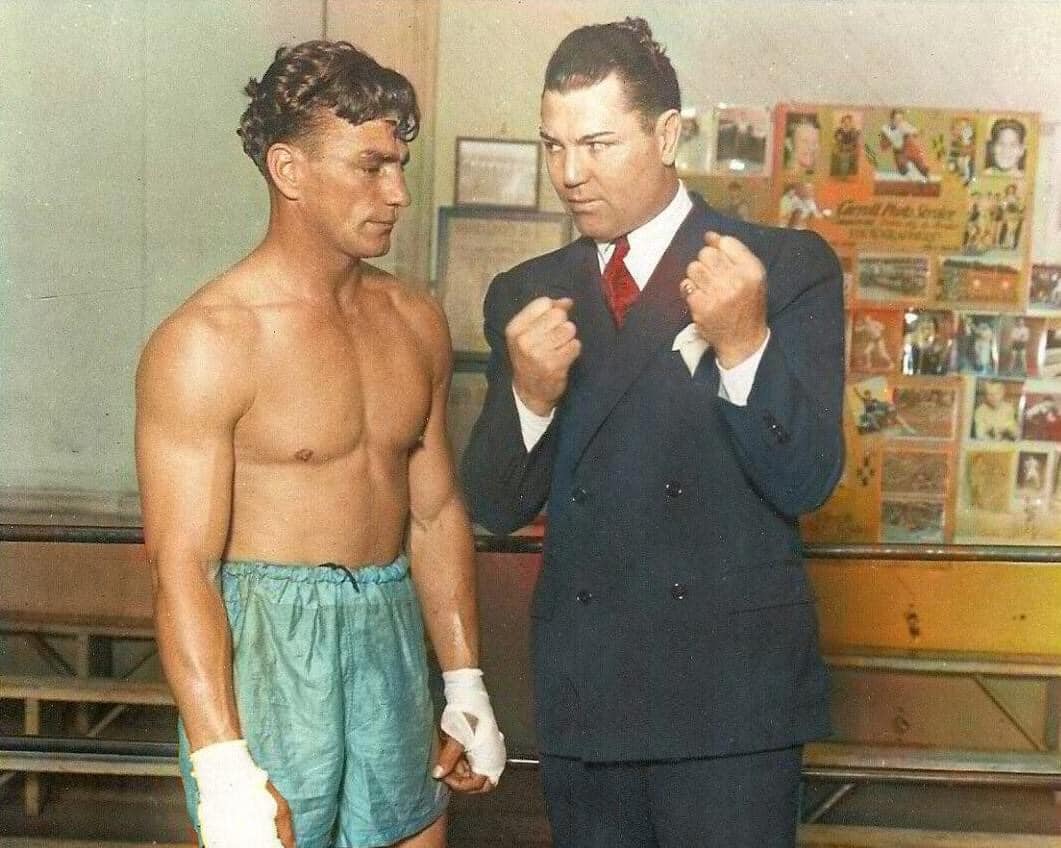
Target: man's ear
[(285, 164), (668, 131)]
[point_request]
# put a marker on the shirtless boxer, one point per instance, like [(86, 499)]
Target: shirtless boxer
[(291, 445)]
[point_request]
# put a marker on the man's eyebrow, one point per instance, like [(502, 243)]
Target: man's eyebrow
[(585, 139), (383, 156)]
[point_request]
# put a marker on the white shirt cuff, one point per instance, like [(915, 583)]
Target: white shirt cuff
[(532, 425), (735, 384)]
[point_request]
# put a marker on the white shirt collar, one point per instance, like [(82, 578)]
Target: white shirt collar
[(650, 241)]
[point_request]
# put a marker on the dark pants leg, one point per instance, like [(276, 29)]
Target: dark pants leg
[(597, 805), (745, 801)]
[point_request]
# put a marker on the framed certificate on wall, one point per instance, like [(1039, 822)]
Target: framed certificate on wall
[(474, 245), (497, 173)]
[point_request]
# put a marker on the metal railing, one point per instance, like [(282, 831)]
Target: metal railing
[(485, 543)]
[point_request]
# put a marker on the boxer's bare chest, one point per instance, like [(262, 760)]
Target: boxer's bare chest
[(331, 385)]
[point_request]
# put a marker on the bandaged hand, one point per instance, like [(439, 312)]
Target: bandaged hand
[(469, 718), (235, 808)]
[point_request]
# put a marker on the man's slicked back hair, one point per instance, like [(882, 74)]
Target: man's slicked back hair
[(312, 79), (626, 48)]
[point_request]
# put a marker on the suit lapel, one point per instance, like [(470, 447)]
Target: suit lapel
[(652, 322)]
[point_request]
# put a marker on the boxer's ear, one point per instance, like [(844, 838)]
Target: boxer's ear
[(284, 164), (667, 132)]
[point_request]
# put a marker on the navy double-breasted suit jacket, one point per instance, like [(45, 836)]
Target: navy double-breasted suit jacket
[(672, 617)]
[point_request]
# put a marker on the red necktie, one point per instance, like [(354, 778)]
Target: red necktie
[(620, 290)]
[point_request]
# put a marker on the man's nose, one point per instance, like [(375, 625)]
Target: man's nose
[(574, 168), (398, 191)]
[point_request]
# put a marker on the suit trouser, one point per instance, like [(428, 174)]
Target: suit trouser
[(743, 801)]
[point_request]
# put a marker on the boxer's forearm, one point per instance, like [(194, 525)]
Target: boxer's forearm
[(443, 567), (195, 647)]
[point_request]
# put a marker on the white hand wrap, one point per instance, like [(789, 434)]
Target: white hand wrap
[(235, 808), (469, 718)]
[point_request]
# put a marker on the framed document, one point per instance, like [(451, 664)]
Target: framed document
[(466, 396), (497, 173), (474, 245)]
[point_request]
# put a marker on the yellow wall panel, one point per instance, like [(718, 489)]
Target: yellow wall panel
[(1002, 607)]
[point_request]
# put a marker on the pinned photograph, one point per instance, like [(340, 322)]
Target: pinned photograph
[(870, 403), (975, 281), (802, 144), (915, 472), (742, 141), (876, 340), (912, 521), (846, 145), (694, 141), (746, 198), (1031, 472), (926, 412), (928, 342), (1051, 364), (994, 218), (1006, 148), (901, 158), (1044, 292), (961, 152), (1020, 345), (886, 278), (798, 207), (1042, 417), (978, 343), (988, 480), (996, 411)]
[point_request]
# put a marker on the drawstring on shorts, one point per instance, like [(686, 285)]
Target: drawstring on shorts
[(345, 570)]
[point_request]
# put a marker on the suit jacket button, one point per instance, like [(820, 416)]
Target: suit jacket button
[(678, 591), (673, 488), (579, 495), (584, 597)]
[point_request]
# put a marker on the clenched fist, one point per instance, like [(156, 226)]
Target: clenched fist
[(725, 290), (542, 346)]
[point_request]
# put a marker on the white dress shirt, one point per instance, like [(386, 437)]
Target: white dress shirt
[(648, 243)]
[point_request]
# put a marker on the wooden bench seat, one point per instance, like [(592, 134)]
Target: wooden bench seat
[(897, 764), (33, 691), (51, 624), (85, 690), (945, 662), (44, 842), (850, 836)]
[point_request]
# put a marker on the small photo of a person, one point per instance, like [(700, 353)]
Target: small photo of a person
[(1006, 148), (802, 142), (1031, 471), (847, 138), (903, 139), (995, 415)]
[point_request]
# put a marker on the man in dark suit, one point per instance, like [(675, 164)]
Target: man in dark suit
[(671, 385)]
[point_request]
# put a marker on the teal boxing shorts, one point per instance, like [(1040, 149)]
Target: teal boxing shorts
[(331, 685)]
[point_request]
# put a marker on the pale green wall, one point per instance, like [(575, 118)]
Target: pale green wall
[(123, 186)]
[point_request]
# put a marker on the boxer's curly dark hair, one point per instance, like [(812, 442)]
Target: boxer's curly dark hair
[(626, 48), (317, 77)]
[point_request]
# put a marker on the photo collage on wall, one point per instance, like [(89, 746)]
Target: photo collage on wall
[(953, 401)]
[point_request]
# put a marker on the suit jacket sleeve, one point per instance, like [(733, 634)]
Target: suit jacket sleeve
[(789, 436), (506, 486)]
